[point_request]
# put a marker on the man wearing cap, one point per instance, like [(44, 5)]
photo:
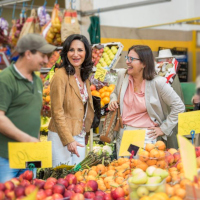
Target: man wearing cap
[(165, 55), (21, 98)]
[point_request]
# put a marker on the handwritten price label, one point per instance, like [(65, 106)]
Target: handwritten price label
[(22, 152), (100, 74), (188, 121)]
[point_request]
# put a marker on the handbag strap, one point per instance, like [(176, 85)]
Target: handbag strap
[(111, 121)]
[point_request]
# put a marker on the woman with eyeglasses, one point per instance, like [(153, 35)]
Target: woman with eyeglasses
[(144, 98)]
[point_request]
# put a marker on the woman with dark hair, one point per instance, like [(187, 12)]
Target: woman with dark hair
[(72, 110), (145, 97)]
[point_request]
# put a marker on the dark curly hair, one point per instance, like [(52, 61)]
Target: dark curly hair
[(87, 65)]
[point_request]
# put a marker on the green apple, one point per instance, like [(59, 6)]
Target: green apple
[(160, 172), (114, 49), (142, 191), (105, 55), (106, 49), (101, 60), (98, 65), (136, 171), (104, 64), (109, 51), (152, 183), (150, 170), (109, 62), (140, 178), (111, 56), (134, 196)]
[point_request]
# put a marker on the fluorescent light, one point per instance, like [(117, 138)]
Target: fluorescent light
[(8, 2)]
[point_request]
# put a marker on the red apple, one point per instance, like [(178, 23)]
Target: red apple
[(98, 198), (25, 183), (68, 193), (40, 184), (15, 181), (21, 177), (197, 150), (52, 179), (101, 50), (10, 194), (99, 193), (63, 181), (77, 196), (20, 198), (57, 196), (83, 184), (41, 195), (71, 178), (170, 159), (9, 185), (107, 196), (2, 187), (94, 55), (97, 51), (121, 198), (28, 175), (117, 193), (91, 186), (71, 187), (172, 151), (177, 156), (48, 192), (95, 63), (100, 54), (2, 195), (29, 189), (89, 195), (59, 189), (19, 191), (49, 185), (49, 198)]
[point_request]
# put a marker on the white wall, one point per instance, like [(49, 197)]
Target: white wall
[(150, 14)]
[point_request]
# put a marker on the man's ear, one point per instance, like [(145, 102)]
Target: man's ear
[(28, 54)]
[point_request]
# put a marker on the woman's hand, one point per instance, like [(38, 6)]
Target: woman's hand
[(196, 99), (72, 147), (112, 106), (155, 132)]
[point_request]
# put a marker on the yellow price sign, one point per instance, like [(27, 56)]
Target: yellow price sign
[(136, 137), (100, 74), (188, 157), (188, 121), (51, 74), (22, 152)]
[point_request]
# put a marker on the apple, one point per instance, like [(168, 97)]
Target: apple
[(49, 185), (21, 177), (2, 195), (114, 49), (108, 62), (48, 192), (77, 196), (15, 181), (29, 189), (68, 193), (177, 156), (2, 187), (89, 195), (19, 191), (91, 186), (104, 64), (107, 196), (109, 51), (98, 198), (95, 55), (170, 159), (101, 50), (81, 183), (97, 51), (59, 189), (9, 185), (79, 189), (71, 187), (100, 54), (197, 150), (98, 65), (101, 60), (28, 175), (172, 151), (111, 56), (106, 49), (62, 180), (117, 193), (40, 184), (41, 195), (25, 183), (10, 194), (52, 179), (49, 198), (57, 196), (99, 193)]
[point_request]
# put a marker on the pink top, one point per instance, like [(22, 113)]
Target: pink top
[(134, 107)]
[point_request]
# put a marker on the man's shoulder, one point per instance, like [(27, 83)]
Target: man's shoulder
[(6, 76)]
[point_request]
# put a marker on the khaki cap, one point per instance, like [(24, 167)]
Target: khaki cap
[(33, 41)]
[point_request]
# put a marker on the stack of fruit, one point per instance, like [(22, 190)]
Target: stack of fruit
[(53, 59), (103, 93), (46, 100), (147, 183), (104, 56)]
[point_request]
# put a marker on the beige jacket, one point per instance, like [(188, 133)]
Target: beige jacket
[(67, 109), (158, 96)]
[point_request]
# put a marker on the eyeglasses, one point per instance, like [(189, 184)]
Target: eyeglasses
[(131, 59)]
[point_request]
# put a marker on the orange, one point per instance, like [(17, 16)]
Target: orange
[(106, 100), (149, 147), (175, 198), (180, 193), (102, 95), (160, 145), (106, 94), (102, 104), (95, 93), (46, 91), (105, 88), (111, 88), (101, 90), (47, 99)]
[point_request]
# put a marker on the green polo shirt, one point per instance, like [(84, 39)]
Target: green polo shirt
[(22, 102)]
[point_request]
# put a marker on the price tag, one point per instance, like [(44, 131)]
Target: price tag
[(51, 74), (37, 73), (188, 157), (188, 121), (100, 74), (22, 152), (135, 137)]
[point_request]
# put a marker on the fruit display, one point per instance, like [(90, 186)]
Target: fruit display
[(44, 17), (3, 31), (105, 55), (55, 57), (103, 93)]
